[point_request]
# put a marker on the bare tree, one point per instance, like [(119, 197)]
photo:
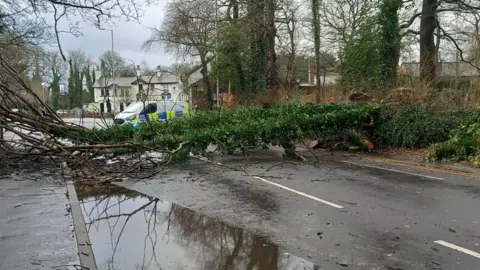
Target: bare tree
[(36, 131), (288, 37), (439, 21), (341, 20), (80, 59), (28, 19), (189, 31)]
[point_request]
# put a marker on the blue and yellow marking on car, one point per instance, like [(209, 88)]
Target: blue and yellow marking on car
[(160, 116)]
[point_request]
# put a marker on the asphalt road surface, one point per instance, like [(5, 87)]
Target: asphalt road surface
[(90, 122), (341, 213), (86, 122)]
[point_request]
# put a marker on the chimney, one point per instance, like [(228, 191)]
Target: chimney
[(158, 72), (311, 76)]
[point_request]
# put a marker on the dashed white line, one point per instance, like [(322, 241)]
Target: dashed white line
[(299, 193), (458, 248), (393, 170)]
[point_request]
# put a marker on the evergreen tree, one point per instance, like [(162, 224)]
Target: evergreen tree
[(75, 86), (90, 80)]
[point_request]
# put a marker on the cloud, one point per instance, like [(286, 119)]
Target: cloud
[(128, 39)]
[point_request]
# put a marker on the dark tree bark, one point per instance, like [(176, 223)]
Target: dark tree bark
[(206, 79), (291, 66), (428, 24), (236, 52), (272, 77), (390, 35), (316, 38), (257, 55)]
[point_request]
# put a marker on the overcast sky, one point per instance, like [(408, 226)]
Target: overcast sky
[(128, 39)]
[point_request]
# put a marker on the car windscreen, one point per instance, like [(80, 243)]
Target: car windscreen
[(135, 107)]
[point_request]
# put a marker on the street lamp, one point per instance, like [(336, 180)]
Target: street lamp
[(113, 75)]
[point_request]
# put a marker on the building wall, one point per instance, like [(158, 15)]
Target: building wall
[(329, 79), (126, 95)]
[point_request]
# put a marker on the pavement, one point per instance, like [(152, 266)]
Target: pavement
[(36, 230), (344, 212)]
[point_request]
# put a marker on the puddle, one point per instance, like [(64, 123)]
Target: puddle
[(129, 230)]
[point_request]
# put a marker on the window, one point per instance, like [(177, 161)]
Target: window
[(152, 88), (134, 107), (166, 96), (107, 94), (109, 106), (165, 87), (150, 108), (102, 92), (125, 91), (171, 106)]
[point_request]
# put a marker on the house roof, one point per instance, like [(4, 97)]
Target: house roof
[(195, 74), (164, 78), (446, 69), (198, 67)]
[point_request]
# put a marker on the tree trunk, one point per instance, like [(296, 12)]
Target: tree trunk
[(390, 51), (238, 62), (272, 77), (427, 42), (291, 66), (206, 80), (316, 37)]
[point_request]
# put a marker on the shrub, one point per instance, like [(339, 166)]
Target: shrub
[(463, 145), (416, 126)]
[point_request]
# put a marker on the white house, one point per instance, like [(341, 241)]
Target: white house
[(114, 94)]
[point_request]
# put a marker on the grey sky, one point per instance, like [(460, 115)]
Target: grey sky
[(128, 39)]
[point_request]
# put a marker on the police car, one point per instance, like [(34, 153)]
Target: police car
[(139, 112)]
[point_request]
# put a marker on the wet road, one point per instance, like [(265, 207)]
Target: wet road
[(129, 230), (90, 122), (340, 214), (86, 122)]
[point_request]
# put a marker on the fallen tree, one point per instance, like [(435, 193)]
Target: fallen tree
[(245, 129), (118, 150), (111, 153)]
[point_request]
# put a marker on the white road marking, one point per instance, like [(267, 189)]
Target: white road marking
[(278, 185), (300, 193), (393, 170), (458, 248)]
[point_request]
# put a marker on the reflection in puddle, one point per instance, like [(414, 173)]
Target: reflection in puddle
[(129, 230)]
